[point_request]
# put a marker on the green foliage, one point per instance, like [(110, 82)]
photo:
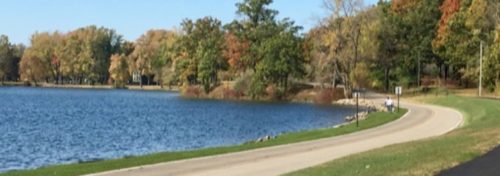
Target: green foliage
[(275, 50), (200, 52), (10, 55)]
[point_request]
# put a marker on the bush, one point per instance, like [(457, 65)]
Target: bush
[(242, 83), (325, 96), (191, 91), (229, 93), (275, 93)]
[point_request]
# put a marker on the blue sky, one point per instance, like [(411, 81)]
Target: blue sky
[(131, 18)]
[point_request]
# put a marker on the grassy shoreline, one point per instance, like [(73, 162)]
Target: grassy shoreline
[(479, 134), (374, 120)]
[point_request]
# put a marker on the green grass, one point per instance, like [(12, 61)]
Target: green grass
[(375, 119), (480, 133)]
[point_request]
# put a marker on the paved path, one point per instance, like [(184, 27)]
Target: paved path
[(422, 121)]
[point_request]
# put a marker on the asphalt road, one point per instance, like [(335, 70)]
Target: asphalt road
[(422, 121), (486, 165)]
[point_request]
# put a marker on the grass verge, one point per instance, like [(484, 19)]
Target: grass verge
[(374, 119), (479, 134)]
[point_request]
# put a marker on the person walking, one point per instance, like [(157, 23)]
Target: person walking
[(389, 104)]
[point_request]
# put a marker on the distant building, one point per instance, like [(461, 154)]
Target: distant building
[(136, 77)]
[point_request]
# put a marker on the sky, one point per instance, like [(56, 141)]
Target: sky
[(19, 19)]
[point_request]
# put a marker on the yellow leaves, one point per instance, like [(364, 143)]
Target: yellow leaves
[(476, 17), (118, 70), (148, 48)]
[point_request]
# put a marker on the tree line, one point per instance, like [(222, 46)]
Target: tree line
[(404, 42), (398, 42)]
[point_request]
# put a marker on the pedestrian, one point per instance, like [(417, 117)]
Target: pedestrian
[(389, 104)]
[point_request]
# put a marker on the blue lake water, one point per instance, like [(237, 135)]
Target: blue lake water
[(42, 126)]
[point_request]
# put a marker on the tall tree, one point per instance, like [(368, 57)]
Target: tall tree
[(146, 55), (6, 56), (118, 70), (42, 51), (235, 49), (32, 68), (282, 58), (257, 24), (200, 52), (345, 28), (163, 64)]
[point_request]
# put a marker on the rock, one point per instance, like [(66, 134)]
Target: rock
[(264, 139), (338, 126), (370, 105), (361, 116)]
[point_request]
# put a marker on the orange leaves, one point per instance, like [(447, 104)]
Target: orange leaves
[(448, 8), (235, 49), (401, 5)]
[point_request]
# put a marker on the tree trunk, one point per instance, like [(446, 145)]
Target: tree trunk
[(386, 79), (160, 80), (446, 69), (148, 77), (347, 86), (140, 81)]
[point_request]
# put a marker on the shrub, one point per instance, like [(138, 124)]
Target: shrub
[(191, 91), (325, 96)]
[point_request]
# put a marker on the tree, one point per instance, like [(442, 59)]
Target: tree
[(32, 68), (256, 25), (235, 49), (282, 58), (200, 52), (118, 70), (163, 64), (345, 35), (42, 54), (146, 55), (6, 56), (466, 28)]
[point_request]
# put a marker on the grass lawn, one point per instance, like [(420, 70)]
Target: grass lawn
[(480, 133), (375, 119)]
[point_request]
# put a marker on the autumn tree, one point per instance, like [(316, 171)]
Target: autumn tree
[(32, 68), (459, 41), (235, 49), (163, 65), (118, 70), (200, 52), (43, 53), (344, 39), (147, 58)]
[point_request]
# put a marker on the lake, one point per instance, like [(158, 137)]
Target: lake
[(47, 126)]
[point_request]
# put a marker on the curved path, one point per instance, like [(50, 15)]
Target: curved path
[(421, 121)]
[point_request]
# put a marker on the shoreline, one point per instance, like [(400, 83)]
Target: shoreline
[(87, 86), (82, 168)]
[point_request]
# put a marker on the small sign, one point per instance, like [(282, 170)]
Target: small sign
[(399, 90)]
